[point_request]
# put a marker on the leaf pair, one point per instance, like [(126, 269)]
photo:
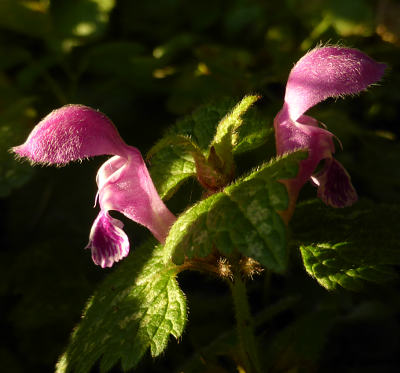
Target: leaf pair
[(242, 218), (203, 145)]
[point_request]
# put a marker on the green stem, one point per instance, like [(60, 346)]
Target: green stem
[(245, 327)]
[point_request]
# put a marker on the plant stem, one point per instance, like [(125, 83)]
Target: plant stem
[(245, 327)]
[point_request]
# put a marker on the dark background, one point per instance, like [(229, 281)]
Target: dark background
[(146, 64)]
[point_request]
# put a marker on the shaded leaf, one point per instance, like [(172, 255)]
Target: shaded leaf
[(297, 347), (327, 263), (226, 344), (349, 250)]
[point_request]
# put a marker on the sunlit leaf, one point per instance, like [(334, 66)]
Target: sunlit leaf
[(216, 131), (242, 217), (172, 161), (226, 133), (137, 308)]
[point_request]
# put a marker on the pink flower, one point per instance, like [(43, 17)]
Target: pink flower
[(74, 132), (321, 73)]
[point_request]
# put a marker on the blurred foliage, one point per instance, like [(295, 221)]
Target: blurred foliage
[(146, 64)]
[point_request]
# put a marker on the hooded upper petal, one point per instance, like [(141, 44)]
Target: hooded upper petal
[(125, 185), (329, 72), (70, 133), (74, 132), (321, 73)]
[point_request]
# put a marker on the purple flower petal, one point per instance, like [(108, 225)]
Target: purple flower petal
[(334, 185), (125, 185), (329, 72), (107, 241), (321, 73), (70, 133), (74, 132), (303, 134)]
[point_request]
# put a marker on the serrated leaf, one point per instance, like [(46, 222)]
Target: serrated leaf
[(137, 308), (327, 264), (200, 125), (253, 134), (357, 244), (226, 133), (242, 217), (173, 161)]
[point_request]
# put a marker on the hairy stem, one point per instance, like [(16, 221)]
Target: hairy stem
[(245, 326)]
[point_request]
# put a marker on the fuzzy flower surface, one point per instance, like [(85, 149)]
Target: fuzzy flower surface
[(321, 73), (75, 132)]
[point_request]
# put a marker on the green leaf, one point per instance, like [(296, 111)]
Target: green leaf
[(254, 132), (200, 126), (138, 306), (357, 244), (242, 217), (173, 157), (172, 162), (181, 153), (328, 265), (226, 134)]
